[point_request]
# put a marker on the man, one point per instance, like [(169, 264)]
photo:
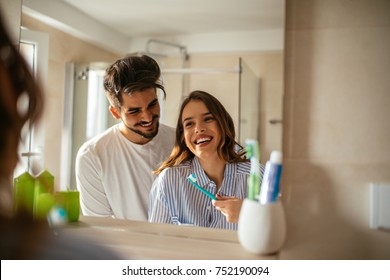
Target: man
[(114, 169)]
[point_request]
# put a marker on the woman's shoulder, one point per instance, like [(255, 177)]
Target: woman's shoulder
[(183, 167), (243, 167)]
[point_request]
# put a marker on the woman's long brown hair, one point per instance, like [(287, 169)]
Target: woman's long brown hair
[(16, 81), (228, 149)]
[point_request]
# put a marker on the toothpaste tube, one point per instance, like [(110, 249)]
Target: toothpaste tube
[(269, 191)]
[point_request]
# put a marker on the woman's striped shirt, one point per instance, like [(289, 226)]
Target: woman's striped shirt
[(174, 200)]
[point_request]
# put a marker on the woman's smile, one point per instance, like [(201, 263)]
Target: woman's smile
[(201, 130), (203, 140)]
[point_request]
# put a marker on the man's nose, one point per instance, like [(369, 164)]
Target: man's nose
[(146, 116)]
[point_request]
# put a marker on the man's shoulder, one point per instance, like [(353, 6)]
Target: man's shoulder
[(166, 136), (167, 129), (98, 141)]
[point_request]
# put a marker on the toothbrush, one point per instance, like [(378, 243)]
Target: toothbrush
[(192, 179)]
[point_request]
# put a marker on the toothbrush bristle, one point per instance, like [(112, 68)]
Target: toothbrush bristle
[(192, 177)]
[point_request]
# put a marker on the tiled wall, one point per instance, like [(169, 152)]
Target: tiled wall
[(10, 13), (336, 126)]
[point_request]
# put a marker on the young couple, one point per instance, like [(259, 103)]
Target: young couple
[(114, 169)]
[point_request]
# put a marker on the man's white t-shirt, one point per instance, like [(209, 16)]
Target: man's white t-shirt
[(114, 175)]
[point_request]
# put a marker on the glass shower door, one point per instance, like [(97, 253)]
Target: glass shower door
[(249, 104)]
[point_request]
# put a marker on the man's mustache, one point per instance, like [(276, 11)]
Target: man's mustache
[(143, 122)]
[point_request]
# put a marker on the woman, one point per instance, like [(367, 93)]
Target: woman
[(205, 146), (21, 237)]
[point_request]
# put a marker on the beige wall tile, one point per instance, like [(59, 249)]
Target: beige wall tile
[(10, 13), (327, 206), (336, 133), (319, 14)]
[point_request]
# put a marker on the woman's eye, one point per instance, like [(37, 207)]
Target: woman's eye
[(208, 119), (188, 124)]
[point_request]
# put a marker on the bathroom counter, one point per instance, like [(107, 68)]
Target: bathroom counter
[(143, 240)]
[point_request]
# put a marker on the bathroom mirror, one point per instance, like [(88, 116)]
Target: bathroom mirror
[(217, 63)]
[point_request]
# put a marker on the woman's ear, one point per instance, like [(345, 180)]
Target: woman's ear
[(114, 112)]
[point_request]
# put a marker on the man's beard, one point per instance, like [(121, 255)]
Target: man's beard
[(149, 135)]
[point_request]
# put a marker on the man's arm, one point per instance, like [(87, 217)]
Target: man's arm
[(93, 199)]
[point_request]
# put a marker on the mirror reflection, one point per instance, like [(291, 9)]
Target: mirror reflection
[(248, 81)]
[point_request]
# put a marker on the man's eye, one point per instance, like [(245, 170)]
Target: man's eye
[(153, 104), (132, 112)]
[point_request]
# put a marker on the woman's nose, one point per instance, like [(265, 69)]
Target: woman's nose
[(199, 129)]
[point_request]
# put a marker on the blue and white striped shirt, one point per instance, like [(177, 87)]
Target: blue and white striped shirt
[(174, 200)]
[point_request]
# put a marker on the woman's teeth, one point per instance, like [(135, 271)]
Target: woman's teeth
[(202, 140)]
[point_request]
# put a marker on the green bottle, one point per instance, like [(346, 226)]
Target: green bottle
[(24, 186), (254, 180), (44, 185)]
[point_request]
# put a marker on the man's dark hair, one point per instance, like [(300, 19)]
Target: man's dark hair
[(131, 73)]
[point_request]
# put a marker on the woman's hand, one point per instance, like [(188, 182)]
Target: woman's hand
[(229, 206)]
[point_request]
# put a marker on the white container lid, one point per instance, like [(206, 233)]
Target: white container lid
[(276, 157)]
